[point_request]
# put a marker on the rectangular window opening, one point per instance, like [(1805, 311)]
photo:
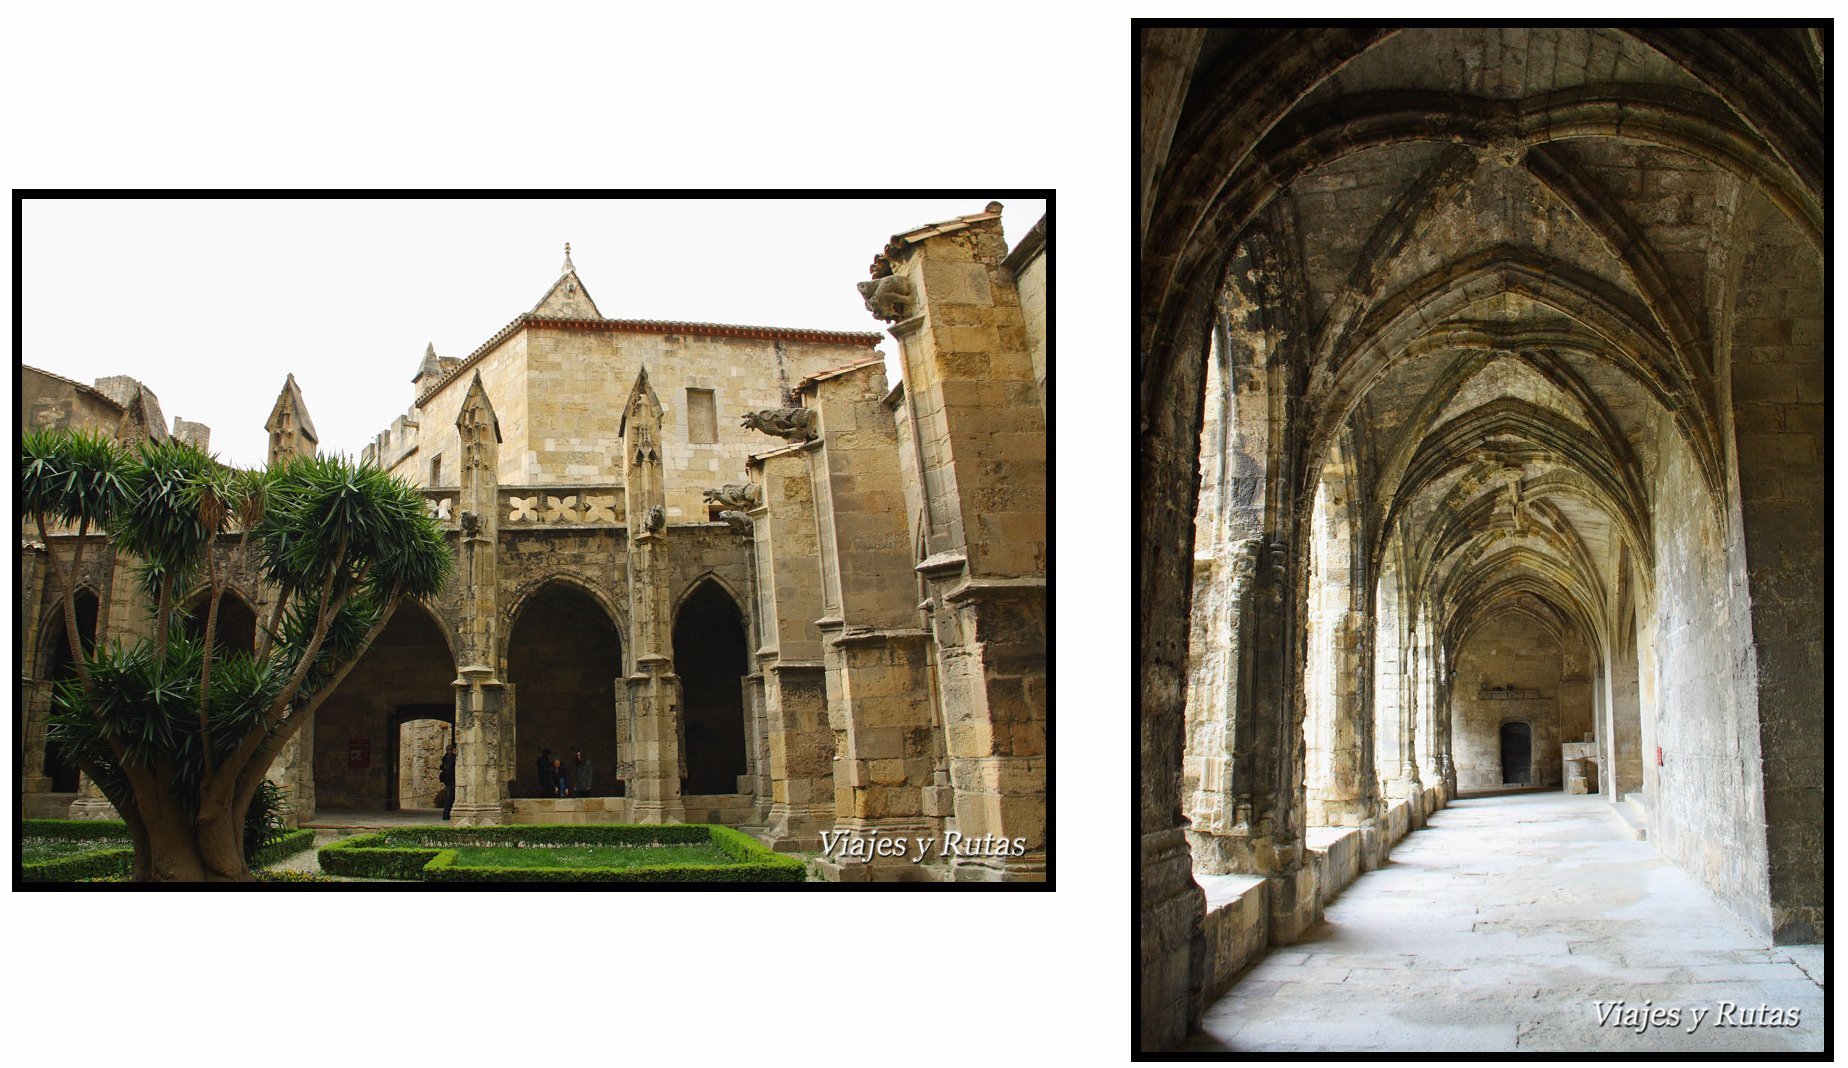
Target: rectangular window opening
[(702, 417)]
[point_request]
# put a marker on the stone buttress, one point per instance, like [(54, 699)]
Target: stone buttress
[(981, 447), (799, 745), (887, 732)]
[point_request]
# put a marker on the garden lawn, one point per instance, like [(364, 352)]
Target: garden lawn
[(589, 856)]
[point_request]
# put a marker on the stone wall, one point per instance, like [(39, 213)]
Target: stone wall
[(1515, 652), (558, 391), (1705, 802), (1028, 262), (1779, 393), (47, 400), (420, 761)]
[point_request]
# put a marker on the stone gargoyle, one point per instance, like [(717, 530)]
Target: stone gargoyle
[(739, 495), (738, 520), (889, 298), (796, 424), (656, 520)]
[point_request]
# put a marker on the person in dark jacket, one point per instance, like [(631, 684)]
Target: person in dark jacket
[(447, 777), (561, 782), (583, 774), (547, 787)]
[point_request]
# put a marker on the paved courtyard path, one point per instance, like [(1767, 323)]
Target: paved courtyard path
[(1500, 927)]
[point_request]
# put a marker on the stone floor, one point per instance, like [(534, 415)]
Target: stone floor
[(1499, 927), (402, 817)]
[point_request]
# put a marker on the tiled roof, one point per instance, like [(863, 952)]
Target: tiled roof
[(72, 381), (841, 370), (882, 263)]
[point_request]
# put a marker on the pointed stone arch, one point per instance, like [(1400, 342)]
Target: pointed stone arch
[(237, 625), (515, 606), (355, 734), (711, 656), (564, 658)]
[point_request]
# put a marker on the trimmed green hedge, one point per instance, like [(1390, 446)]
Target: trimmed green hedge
[(283, 848), (109, 858), (113, 859), (605, 834), (427, 853), (75, 829), (106, 861)]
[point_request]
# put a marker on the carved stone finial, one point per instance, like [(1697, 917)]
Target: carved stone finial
[(738, 520), (795, 424), (568, 266), (889, 298)]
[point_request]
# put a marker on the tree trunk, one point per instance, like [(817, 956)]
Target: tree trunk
[(181, 850)]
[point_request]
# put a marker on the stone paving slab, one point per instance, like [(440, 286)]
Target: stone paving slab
[(1498, 928)]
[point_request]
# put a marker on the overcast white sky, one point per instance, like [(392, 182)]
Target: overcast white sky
[(210, 303)]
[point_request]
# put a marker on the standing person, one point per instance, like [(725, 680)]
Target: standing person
[(546, 787), (561, 783), (447, 777), (583, 774)]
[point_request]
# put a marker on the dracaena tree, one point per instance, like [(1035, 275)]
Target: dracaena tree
[(177, 733)]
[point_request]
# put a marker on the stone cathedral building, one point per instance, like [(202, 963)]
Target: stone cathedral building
[(751, 579), (1480, 443)]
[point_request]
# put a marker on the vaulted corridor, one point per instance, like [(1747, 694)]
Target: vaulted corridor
[(1502, 926), (1482, 407)]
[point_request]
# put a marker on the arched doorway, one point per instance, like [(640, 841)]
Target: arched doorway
[(61, 771), (710, 658), (1517, 754), (356, 732), (419, 736), (563, 658)]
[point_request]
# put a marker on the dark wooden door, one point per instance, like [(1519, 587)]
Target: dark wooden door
[(1517, 754)]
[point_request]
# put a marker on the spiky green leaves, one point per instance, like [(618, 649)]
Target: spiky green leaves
[(149, 706), (173, 505), (71, 477), (324, 514)]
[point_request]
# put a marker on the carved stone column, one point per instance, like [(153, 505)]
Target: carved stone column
[(757, 744), (654, 689), (1216, 765), (481, 774), (1405, 784), (1351, 798), (1266, 835)]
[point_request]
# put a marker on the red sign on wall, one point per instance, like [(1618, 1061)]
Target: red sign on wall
[(359, 752)]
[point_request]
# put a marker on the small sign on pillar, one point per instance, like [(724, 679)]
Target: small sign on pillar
[(359, 752)]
